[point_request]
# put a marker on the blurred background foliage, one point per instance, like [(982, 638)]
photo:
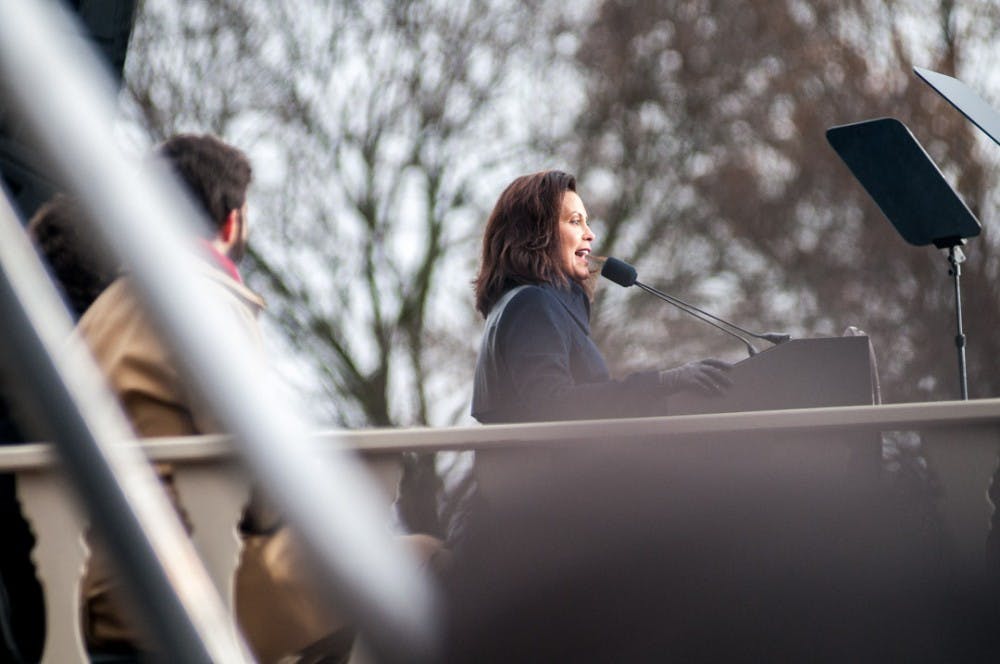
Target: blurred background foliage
[(383, 131)]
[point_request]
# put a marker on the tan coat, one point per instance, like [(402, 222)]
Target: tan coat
[(142, 374), (277, 605), (137, 365)]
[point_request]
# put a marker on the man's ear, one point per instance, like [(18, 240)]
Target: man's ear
[(230, 230)]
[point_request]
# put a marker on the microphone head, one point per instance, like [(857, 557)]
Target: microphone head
[(619, 272)]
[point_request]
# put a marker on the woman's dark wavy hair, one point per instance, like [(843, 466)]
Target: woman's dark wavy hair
[(521, 241)]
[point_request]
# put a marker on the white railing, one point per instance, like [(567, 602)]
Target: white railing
[(960, 440), (211, 488)]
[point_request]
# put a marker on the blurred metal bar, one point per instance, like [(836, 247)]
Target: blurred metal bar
[(63, 394), (329, 498)]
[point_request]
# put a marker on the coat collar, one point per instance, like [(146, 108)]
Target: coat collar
[(573, 298), (252, 299)]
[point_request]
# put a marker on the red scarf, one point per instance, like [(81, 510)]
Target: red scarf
[(221, 261)]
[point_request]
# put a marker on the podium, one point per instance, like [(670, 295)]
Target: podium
[(801, 373)]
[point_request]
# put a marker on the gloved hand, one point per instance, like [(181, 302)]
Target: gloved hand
[(709, 377)]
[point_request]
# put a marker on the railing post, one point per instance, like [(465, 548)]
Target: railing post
[(60, 553), (214, 496)]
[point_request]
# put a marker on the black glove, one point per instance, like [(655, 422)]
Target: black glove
[(709, 377), (417, 494)]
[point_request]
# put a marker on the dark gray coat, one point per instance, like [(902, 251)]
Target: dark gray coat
[(537, 362)]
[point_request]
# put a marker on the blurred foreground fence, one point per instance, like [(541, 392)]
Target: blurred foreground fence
[(960, 442)]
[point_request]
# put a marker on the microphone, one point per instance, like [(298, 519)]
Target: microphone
[(625, 275)]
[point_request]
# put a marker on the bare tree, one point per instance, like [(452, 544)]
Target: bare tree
[(373, 126), (382, 132), (706, 155)]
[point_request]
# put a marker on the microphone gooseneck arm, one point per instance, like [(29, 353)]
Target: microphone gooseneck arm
[(625, 275), (699, 314)]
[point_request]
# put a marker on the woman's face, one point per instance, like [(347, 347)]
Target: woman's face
[(574, 237)]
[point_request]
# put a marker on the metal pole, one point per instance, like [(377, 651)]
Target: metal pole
[(955, 259), (330, 499), (63, 394)]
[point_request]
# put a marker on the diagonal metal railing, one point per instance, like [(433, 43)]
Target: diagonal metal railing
[(61, 391), (55, 82)]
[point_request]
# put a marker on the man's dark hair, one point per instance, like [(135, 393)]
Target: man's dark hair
[(521, 242), (82, 268), (216, 174)]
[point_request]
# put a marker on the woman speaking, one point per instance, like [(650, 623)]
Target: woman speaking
[(537, 360)]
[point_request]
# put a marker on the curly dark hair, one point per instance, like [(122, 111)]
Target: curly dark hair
[(215, 173), (80, 265)]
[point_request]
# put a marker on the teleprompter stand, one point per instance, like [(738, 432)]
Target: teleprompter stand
[(910, 190)]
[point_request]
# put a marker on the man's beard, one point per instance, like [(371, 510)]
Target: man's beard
[(239, 248), (237, 251)]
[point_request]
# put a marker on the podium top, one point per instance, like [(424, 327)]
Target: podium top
[(801, 373)]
